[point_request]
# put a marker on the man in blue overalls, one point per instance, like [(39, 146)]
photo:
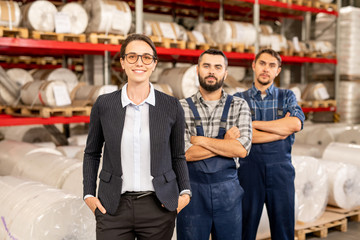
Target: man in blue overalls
[(267, 174), (217, 133)]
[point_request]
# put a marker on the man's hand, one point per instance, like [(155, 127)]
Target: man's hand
[(232, 133), (183, 202), (93, 203)]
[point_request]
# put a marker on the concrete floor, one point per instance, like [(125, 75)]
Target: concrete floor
[(353, 233)]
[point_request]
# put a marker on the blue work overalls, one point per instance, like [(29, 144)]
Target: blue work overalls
[(215, 206), (267, 176)]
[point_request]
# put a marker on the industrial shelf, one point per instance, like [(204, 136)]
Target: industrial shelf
[(8, 120)]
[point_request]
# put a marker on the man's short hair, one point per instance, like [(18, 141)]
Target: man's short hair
[(271, 52), (212, 51)]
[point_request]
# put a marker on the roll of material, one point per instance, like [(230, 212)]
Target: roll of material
[(183, 81), (342, 152), (351, 136), (51, 145), (321, 136), (39, 15), (9, 90), (348, 106), (29, 134), (6, 98), (303, 149), (10, 14), (74, 181), (315, 91), (78, 17), (311, 187), (13, 152), (77, 140), (59, 74), (204, 28), (19, 76), (165, 88), (108, 16), (70, 151), (224, 32), (41, 93), (34, 211), (344, 184), (89, 93), (169, 30)]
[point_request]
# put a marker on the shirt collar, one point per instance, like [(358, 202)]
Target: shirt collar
[(126, 101), (269, 91), (200, 98)]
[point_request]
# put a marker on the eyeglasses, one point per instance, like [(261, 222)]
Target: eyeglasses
[(146, 58)]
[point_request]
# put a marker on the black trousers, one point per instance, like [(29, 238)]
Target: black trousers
[(143, 218)]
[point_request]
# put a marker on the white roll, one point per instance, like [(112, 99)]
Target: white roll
[(311, 187), (74, 181), (183, 81), (13, 152), (224, 32), (78, 17), (78, 140), (27, 133), (315, 91), (90, 92), (342, 152), (58, 74), (344, 184), (35, 211), (165, 88), (19, 76), (41, 93), (320, 136), (108, 16), (39, 15), (6, 98), (303, 149), (10, 14), (70, 151), (349, 136)]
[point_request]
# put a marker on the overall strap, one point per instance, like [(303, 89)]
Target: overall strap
[(198, 124), (222, 128), (280, 110), (246, 96)]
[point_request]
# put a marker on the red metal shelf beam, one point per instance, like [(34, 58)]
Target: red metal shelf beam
[(319, 109), (8, 120)]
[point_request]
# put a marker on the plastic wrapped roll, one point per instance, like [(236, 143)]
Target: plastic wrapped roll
[(74, 181), (349, 136), (78, 140), (108, 16), (35, 211), (19, 76), (41, 93), (70, 151), (10, 14), (311, 187), (224, 32), (169, 30), (183, 81), (6, 98), (13, 152), (39, 15), (59, 74), (204, 28), (320, 136), (78, 17), (303, 149), (88, 94), (46, 145), (344, 184), (9, 90), (165, 88), (315, 91), (348, 106), (29, 134), (342, 152)]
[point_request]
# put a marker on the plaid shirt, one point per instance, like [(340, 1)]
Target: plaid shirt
[(239, 116), (266, 109)]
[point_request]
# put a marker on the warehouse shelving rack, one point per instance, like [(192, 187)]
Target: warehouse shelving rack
[(20, 46)]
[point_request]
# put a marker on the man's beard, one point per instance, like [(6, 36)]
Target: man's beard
[(264, 83), (211, 87)]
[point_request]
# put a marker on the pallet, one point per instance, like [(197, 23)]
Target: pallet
[(14, 32), (106, 38), (201, 46), (350, 214), (2, 109), (46, 112), (320, 55), (236, 47), (318, 4), (320, 227), (58, 36), (318, 103), (168, 43), (350, 77)]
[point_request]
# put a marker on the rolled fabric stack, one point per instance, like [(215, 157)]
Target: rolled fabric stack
[(182, 80), (10, 14), (78, 17), (311, 187), (344, 184), (39, 15), (343, 152), (34, 211)]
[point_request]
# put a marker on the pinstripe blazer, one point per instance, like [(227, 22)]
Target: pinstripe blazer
[(168, 164)]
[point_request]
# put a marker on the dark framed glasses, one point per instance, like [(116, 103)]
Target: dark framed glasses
[(146, 58)]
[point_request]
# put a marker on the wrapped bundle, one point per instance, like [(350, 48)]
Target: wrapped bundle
[(349, 136), (39, 15), (87, 94), (315, 91), (168, 30), (183, 81), (344, 184), (224, 32), (34, 211), (311, 187), (19, 76), (342, 152), (10, 14), (70, 151), (311, 150), (165, 88), (348, 106), (78, 140), (9, 90), (58, 74), (108, 16), (78, 17)]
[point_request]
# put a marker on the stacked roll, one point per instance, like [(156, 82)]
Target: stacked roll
[(108, 16), (77, 15), (351, 136), (224, 32), (342, 152), (58, 74), (344, 184), (348, 105), (28, 134), (19, 76), (170, 30), (311, 187), (9, 90), (87, 94), (34, 211), (10, 14), (349, 38), (39, 15)]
